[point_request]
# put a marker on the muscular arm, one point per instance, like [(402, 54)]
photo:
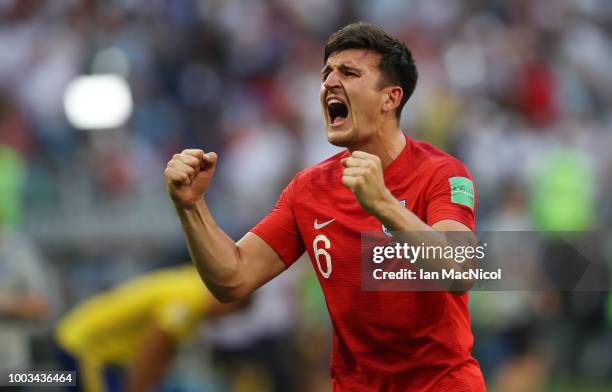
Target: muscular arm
[(230, 270)]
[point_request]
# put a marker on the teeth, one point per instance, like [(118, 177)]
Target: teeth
[(333, 100)]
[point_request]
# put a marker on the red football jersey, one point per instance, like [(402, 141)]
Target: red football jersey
[(382, 341)]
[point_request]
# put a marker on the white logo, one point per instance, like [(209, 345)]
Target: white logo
[(322, 252), (322, 225)]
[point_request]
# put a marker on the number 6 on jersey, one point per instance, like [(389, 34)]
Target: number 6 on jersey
[(322, 252)]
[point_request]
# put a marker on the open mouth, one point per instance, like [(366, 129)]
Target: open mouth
[(337, 111)]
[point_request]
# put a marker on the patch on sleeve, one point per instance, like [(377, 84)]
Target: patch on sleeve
[(462, 191)]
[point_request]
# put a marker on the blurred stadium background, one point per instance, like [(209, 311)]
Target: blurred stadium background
[(95, 97)]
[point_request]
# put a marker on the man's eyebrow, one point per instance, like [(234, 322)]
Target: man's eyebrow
[(342, 67)]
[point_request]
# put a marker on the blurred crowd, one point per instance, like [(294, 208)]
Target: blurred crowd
[(520, 91)]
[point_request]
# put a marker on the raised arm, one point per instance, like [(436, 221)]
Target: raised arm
[(363, 175), (230, 270)]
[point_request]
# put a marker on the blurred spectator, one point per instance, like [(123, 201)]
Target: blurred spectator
[(23, 299), (125, 338), (509, 324), (23, 280), (564, 192), (13, 143)]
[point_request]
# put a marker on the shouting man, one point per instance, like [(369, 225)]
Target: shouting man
[(383, 341)]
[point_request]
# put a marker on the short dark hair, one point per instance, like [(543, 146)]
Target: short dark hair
[(396, 63)]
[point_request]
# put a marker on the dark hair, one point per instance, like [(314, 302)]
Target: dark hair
[(396, 63)]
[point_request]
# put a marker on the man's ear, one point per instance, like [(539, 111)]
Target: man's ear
[(392, 98)]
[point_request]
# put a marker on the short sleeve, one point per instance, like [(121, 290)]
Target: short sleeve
[(279, 228), (452, 195)]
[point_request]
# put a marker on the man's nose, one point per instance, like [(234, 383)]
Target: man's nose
[(332, 81)]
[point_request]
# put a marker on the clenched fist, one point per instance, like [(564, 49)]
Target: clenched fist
[(363, 175), (188, 176)]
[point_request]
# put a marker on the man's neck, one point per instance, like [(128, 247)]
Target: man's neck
[(386, 145)]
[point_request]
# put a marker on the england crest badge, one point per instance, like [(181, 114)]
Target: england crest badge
[(384, 229)]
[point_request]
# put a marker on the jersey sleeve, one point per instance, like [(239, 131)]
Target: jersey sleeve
[(452, 195), (279, 228)]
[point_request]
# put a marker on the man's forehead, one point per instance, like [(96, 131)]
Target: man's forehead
[(353, 58)]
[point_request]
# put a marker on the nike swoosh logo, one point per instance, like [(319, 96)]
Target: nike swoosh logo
[(322, 225)]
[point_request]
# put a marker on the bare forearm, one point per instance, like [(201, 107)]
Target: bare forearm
[(215, 255), (407, 227)]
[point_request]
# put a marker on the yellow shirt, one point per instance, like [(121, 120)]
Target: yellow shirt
[(108, 328)]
